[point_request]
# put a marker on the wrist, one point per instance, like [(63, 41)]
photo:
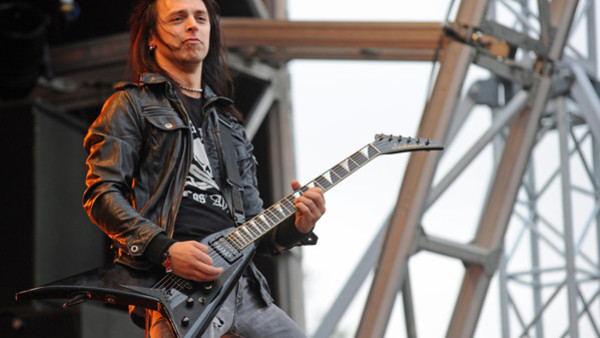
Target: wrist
[(287, 235), (156, 248)]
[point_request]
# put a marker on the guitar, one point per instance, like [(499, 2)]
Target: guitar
[(190, 306)]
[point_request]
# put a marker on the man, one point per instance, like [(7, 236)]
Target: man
[(157, 180)]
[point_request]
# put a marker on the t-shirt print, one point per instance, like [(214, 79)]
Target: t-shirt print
[(200, 175), (200, 184)]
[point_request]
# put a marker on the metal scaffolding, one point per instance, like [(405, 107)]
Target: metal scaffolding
[(546, 93)]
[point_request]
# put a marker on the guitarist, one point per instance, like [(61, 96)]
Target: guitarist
[(157, 176)]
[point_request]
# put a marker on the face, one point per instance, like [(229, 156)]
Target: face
[(183, 33)]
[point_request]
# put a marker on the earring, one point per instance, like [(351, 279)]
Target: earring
[(151, 48)]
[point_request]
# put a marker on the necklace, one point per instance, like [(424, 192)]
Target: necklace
[(195, 90)]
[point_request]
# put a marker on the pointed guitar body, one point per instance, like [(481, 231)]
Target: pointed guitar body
[(190, 306)]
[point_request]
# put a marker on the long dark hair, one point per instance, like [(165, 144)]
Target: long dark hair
[(215, 68)]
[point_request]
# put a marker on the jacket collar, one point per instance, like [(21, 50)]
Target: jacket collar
[(208, 93)]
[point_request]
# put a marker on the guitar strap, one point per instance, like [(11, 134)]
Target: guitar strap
[(233, 189)]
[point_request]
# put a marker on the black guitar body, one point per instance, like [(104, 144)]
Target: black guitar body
[(190, 306)]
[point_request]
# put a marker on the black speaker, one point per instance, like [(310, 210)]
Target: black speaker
[(46, 234)]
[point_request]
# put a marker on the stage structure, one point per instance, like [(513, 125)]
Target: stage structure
[(538, 226)]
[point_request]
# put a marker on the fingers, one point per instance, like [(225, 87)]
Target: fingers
[(190, 260), (309, 207), (311, 203), (203, 264)]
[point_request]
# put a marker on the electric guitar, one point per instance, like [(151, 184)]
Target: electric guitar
[(190, 306)]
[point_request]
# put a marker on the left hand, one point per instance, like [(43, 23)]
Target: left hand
[(309, 207)]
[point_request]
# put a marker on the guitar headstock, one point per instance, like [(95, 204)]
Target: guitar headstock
[(389, 144)]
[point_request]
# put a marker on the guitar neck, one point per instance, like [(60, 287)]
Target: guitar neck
[(262, 223), (249, 232)]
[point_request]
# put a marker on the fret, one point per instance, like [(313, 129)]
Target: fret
[(288, 207), (335, 179), (248, 229), (353, 164), (280, 210), (317, 184), (344, 164), (323, 183), (260, 219), (276, 214), (327, 176), (257, 226), (254, 232), (372, 151), (263, 218), (340, 171), (365, 152), (240, 238), (360, 158), (271, 217), (234, 241), (290, 203)]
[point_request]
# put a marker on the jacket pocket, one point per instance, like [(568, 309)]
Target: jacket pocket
[(163, 119), (165, 132)]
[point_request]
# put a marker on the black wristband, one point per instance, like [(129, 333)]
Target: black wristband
[(157, 247), (287, 235)]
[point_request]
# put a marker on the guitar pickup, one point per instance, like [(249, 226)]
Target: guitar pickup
[(225, 249)]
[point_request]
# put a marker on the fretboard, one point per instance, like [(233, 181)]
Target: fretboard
[(262, 223)]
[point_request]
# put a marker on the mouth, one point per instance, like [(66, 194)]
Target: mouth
[(191, 41)]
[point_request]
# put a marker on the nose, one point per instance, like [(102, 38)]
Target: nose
[(191, 24)]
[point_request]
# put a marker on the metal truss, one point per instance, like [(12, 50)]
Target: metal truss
[(549, 94)]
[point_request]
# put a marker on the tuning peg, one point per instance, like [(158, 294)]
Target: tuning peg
[(427, 142), (409, 139), (418, 140)]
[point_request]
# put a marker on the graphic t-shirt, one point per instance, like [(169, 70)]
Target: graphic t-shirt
[(203, 208)]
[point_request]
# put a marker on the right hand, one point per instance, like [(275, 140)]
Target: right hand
[(190, 260)]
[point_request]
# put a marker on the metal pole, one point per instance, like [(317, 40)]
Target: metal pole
[(563, 128), (417, 180)]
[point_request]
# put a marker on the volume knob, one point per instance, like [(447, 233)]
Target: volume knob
[(207, 287)]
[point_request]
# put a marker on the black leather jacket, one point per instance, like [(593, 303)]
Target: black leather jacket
[(140, 148)]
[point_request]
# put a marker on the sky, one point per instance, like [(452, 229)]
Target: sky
[(338, 107)]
